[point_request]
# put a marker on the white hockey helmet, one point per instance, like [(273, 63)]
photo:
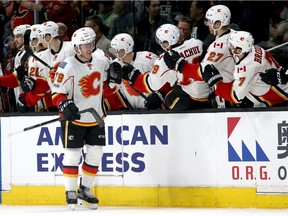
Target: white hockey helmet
[(89, 30), (241, 39), (21, 29), (34, 34), (219, 13), (81, 36), (122, 41), (167, 33), (49, 27)]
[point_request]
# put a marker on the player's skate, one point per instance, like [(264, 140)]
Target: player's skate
[(85, 195), (71, 199)]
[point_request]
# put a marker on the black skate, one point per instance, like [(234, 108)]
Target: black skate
[(85, 195), (71, 199)]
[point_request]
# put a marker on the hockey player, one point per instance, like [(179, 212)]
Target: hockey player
[(44, 101), (218, 54), (56, 52), (81, 83), (247, 86), (122, 47), (180, 94), (12, 81)]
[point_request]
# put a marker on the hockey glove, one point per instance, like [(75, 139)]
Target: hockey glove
[(21, 72), (211, 75), (173, 60), (28, 84), (274, 77), (115, 73), (154, 101), (130, 73), (21, 104), (70, 110)]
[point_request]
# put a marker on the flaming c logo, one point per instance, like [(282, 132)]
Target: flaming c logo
[(90, 84)]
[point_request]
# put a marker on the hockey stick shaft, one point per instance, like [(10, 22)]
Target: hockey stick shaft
[(276, 47), (26, 47), (90, 110), (29, 52)]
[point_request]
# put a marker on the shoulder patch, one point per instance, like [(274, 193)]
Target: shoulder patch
[(62, 65)]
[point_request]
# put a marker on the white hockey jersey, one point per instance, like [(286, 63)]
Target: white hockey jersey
[(219, 55), (248, 83), (191, 50), (83, 82), (53, 60), (144, 62)]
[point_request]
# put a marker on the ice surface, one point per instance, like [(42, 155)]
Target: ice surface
[(83, 211)]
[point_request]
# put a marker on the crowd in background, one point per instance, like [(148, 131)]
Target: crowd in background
[(267, 21)]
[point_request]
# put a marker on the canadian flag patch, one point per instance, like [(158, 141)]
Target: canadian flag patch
[(241, 69), (219, 45)]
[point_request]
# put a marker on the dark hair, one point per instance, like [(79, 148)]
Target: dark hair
[(203, 4), (99, 22)]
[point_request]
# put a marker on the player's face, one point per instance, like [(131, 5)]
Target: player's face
[(165, 45), (86, 50), (19, 41), (42, 41)]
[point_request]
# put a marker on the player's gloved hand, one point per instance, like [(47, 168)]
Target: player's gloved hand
[(274, 76), (154, 101), (130, 73), (21, 105), (173, 60), (70, 110), (21, 72), (115, 73), (211, 75), (28, 84)]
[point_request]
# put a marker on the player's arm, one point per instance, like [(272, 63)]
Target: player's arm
[(173, 60), (39, 90), (9, 81)]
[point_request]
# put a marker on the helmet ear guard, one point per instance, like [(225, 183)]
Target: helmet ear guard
[(81, 37), (34, 34), (122, 41), (241, 39), (50, 28), (169, 34), (219, 13)]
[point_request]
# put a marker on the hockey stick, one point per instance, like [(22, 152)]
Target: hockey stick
[(29, 52), (90, 110), (276, 47)]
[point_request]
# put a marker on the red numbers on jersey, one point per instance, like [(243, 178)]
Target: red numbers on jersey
[(34, 72), (215, 57)]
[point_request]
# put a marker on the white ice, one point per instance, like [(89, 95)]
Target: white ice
[(83, 211)]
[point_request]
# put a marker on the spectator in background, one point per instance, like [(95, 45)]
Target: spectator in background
[(107, 15), (101, 30), (21, 12), (278, 26), (146, 29), (198, 10), (61, 11), (256, 20), (125, 21), (63, 32), (185, 27)]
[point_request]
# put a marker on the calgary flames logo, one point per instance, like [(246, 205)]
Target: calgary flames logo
[(90, 84)]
